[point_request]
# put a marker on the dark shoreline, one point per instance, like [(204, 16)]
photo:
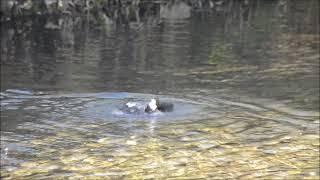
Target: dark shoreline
[(13, 10)]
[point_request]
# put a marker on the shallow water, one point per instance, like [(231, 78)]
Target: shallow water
[(245, 92), (74, 136)]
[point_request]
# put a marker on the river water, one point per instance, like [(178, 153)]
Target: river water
[(243, 78)]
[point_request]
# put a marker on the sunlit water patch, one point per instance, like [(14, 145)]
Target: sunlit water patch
[(81, 136)]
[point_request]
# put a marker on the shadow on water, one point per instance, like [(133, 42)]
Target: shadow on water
[(243, 76)]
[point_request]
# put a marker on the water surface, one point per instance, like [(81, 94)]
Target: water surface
[(244, 78)]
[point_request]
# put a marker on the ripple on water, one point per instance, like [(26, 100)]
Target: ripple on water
[(109, 109), (81, 135)]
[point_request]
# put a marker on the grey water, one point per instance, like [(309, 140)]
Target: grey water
[(243, 78)]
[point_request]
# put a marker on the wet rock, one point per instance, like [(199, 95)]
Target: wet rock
[(51, 25), (176, 10)]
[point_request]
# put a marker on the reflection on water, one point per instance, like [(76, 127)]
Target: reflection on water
[(244, 78)]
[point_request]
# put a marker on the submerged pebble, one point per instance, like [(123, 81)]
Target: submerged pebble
[(93, 149), (131, 142)]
